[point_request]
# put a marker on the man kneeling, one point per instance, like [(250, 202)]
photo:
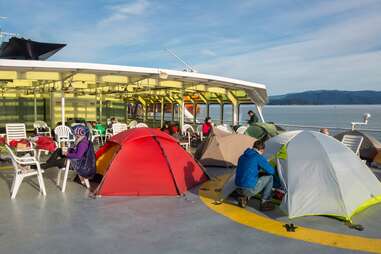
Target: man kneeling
[(247, 180)]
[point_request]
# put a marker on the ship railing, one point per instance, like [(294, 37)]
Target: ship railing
[(333, 129)]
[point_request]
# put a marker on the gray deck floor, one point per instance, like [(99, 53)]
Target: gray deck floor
[(73, 223)]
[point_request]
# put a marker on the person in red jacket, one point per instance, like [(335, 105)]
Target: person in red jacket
[(207, 127)]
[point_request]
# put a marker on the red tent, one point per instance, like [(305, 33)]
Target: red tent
[(144, 161)]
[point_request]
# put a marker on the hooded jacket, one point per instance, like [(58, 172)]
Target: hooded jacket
[(249, 164)]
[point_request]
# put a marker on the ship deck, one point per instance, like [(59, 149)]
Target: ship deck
[(71, 222)]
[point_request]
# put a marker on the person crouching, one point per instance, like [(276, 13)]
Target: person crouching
[(247, 180)]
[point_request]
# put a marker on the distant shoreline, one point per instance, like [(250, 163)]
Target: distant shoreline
[(327, 97), (328, 105)]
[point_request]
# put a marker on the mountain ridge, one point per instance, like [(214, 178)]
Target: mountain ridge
[(328, 97)]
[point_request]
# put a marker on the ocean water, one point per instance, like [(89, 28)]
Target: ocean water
[(332, 116)]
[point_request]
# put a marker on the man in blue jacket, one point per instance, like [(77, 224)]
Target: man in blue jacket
[(247, 180)]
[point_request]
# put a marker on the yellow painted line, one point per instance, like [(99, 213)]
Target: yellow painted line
[(6, 167), (208, 195)]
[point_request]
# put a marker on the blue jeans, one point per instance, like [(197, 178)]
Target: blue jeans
[(264, 185)]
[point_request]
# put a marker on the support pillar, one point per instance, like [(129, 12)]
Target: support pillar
[(181, 111), (62, 103), (259, 109), (173, 106), (35, 105), (51, 109), (207, 109), (101, 108), (222, 113), (154, 114), (126, 110), (194, 112), (162, 112), (62, 107), (145, 107), (235, 114)]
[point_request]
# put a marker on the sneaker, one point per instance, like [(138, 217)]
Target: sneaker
[(266, 206), (242, 201)]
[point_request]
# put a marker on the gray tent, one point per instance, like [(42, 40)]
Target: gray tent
[(321, 176)]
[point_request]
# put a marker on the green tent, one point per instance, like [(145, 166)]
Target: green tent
[(262, 130)]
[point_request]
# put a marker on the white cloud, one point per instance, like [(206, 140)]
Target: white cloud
[(208, 52), (342, 55), (94, 42), (124, 11), (288, 45)]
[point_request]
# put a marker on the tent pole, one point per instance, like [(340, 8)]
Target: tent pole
[(35, 105), (207, 109), (162, 112), (259, 109)]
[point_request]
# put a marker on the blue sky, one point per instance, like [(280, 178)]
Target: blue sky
[(289, 45)]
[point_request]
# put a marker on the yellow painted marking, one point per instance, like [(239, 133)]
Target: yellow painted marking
[(208, 195)]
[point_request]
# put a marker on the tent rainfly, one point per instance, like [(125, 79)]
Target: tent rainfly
[(322, 176), (222, 149), (146, 162)]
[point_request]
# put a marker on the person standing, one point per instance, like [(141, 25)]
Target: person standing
[(207, 126), (252, 118)]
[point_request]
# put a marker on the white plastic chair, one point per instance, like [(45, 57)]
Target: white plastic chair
[(42, 125), (141, 125), (186, 128), (186, 132), (108, 134), (63, 134), (353, 142), (118, 128), (132, 124), (66, 174), (200, 133), (17, 131), (22, 166), (241, 130), (95, 135)]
